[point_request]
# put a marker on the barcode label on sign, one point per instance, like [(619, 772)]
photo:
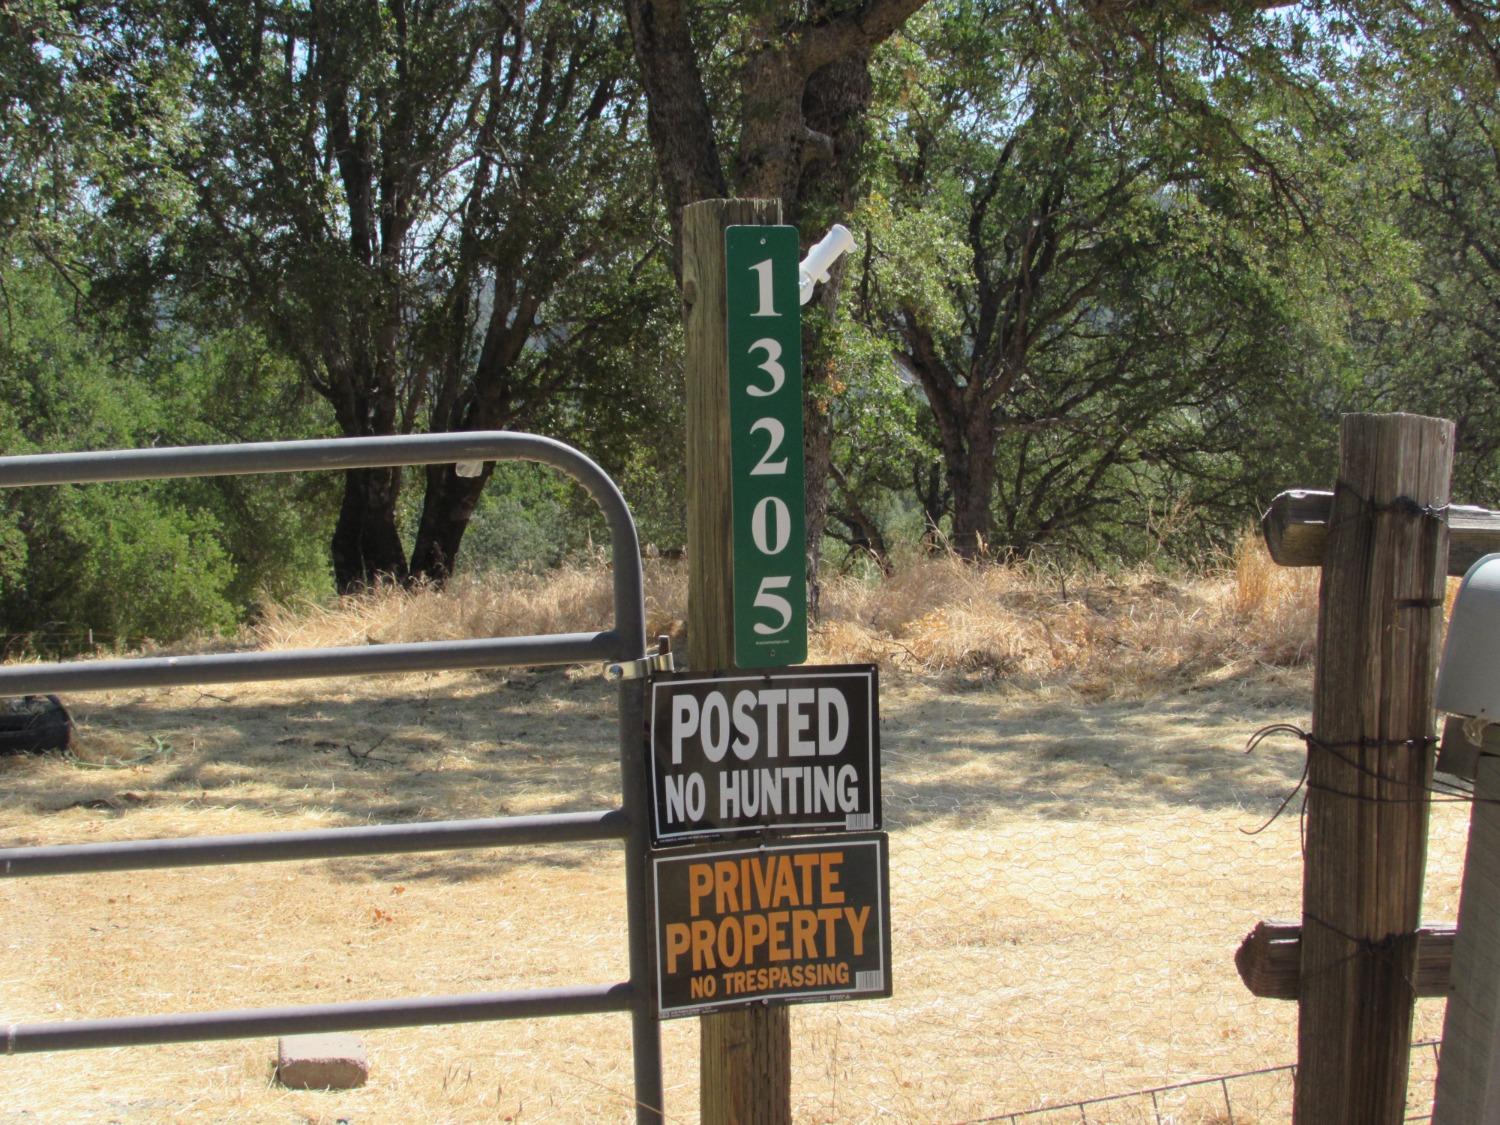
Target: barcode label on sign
[(859, 822), (870, 980)]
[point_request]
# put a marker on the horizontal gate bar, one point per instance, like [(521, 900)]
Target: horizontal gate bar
[(134, 1031), (247, 458), (323, 843), (308, 663), (339, 454)]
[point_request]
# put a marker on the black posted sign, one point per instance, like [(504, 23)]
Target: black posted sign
[(794, 749), (802, 921)]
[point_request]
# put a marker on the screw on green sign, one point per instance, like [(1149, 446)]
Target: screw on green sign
[(765, 441)]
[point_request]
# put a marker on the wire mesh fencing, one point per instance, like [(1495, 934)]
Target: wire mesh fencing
[(1070, 881), (1256, 1095)]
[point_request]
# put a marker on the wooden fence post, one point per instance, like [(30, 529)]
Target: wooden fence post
[(1370, 766), (745, 1053)]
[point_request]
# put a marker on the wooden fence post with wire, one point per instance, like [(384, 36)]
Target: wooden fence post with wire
[(1382, 539), (1462, 963), (745, 1053), (1370, 761)]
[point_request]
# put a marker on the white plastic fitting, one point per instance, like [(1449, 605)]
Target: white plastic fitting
[(820, 258)]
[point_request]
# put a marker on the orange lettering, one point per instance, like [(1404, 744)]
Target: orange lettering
[(755, 935), (700, 879), (829, 916), (726, 884), (778, 934), (786, 885), (857, 922), (805, 864), (760, 873), (703, 945), (804, 937), (731, 953), (830, 862), (677, 943)]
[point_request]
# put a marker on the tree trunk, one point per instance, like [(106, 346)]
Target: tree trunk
[(927, 489), (817, 453), (864, 531), (835, 103), (677, 113), (970, 457), (366, 542), (447, 507), (972, 525)]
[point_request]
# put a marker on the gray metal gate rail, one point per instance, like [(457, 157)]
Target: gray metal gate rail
[(625, 643)]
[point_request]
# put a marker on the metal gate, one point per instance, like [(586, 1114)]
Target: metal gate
[(623, 648)]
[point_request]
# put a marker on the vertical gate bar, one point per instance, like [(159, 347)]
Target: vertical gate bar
[(630, 628), (645, 1027)]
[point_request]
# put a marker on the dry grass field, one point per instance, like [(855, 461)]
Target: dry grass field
[(1065, 786)]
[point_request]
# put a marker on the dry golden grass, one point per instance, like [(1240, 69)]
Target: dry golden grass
[(1017, 626), (1068, 867), (1103, 637), (573, 597)]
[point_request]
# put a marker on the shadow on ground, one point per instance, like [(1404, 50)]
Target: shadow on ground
[(483, 745), (962, 756)]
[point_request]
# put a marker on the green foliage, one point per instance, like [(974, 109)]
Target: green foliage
[(883, 443), (623, 401), (228, 388), (1120, 268), (443, 218), (122, 563), (1438, 90), (522, 522), (1128, 265)]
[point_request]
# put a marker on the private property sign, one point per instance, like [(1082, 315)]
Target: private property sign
[(790, 750), (802, 921)]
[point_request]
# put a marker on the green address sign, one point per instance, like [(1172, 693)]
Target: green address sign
[(765, 440)]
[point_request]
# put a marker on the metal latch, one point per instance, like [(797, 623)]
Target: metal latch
[(659, 661)]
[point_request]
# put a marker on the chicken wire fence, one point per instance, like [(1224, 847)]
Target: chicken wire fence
[(1256, 1095), (1070, 881)]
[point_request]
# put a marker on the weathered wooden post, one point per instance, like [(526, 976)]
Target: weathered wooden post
[(1370, 766), (745, 1053)]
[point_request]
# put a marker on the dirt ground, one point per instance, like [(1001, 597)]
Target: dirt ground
[(1069, 882)]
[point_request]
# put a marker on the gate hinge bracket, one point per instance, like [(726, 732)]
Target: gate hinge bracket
[(659, 661)]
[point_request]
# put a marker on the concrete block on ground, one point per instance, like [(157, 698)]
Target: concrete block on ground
[(333, 1061)]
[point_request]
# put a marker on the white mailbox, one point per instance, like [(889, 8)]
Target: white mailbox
[(1469, 676)]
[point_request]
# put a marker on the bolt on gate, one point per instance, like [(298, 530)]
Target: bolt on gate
[(623, 648)]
